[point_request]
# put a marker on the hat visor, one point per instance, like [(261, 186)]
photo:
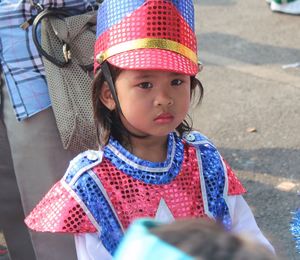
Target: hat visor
[(154, 59)]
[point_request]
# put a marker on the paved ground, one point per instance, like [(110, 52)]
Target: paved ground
[(251, 107), (243, 46)]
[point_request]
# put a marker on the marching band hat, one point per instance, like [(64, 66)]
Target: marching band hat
[(147, 35)]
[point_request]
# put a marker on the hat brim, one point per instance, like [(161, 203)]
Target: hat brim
[(154, 59)]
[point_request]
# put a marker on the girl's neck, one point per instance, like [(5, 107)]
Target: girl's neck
[(151, 148)]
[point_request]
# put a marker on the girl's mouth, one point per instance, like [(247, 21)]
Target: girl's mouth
[(164, 118)]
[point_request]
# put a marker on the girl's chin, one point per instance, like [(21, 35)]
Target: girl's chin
[(158, 130), (152, 133)]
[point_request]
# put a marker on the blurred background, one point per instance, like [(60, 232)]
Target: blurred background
[(251, 105)]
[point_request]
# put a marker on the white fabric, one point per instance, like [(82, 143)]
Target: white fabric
[(89, 247), (163, 213), (243, 221)]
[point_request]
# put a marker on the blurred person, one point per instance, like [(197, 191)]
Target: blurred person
[(186, 240), (32, 157), (11, 210)]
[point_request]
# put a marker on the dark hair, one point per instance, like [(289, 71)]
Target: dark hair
[(108, 123), (207, 240)]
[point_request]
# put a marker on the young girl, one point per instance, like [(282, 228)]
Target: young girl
[(151, 164)]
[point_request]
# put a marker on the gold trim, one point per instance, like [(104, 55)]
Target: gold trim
[(148, 43)]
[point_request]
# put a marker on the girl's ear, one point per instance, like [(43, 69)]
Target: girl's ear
[(106, 97)]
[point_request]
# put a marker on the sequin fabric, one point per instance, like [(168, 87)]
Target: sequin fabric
[(148, 172), (214, 177), (92, 197), (98, 194), (235, 187), (121, 21), (81, 163), (59, 212), (113, 11), (295, 228), (186, 9), (134, 198)]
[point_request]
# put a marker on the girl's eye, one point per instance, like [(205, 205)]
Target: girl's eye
[(145, 85), (176, 82)]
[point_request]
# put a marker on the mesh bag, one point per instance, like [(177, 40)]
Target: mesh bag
[(67, 44)]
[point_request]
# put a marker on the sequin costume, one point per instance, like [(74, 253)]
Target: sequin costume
[(295, 228), (104, 191)]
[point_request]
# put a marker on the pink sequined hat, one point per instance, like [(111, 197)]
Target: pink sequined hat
[(147, 34)]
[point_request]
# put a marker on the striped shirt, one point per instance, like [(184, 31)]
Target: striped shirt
[(22, 66)]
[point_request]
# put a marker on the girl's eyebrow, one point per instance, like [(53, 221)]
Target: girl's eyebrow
[(144, 76), (149, 75)]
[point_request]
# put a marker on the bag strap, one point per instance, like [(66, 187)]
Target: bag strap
[(67, 35), (46, 13)]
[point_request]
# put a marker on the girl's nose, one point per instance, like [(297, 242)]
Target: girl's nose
[(163, 99)]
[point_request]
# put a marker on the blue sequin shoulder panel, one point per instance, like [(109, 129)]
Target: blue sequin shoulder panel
[(213, 178), (91, 195)]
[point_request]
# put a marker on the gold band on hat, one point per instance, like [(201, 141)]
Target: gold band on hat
[(148, 43)]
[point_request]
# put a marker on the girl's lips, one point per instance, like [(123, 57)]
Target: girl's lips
[(164, 118)]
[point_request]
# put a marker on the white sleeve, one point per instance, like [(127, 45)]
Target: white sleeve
[(243, 221), (89, 247)]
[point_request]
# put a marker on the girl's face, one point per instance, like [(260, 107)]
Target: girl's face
[(153, 102)]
